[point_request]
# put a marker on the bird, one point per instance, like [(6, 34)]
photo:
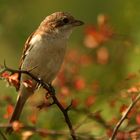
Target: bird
[(44, 53)]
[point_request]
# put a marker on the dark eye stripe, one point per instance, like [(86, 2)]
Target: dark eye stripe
[(62, 22), (65, 20)]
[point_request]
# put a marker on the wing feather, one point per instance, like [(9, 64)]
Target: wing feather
[(24, 53), (26, 47)]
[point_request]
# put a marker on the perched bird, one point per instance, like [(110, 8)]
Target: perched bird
[(43, 52)]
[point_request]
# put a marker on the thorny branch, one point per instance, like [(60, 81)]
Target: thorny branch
[(133, 103), (51, 91)]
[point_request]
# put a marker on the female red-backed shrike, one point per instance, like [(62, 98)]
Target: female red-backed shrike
[(43, 53)]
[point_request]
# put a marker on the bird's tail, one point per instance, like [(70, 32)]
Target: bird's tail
[(24, 94), (16, 114)]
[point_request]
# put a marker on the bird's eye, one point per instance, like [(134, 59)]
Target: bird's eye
[(65, 20)]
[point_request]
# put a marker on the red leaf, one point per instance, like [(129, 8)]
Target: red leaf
[(65, 91), (9, 111), (114, 120), (72, 55), (90, 101), (123, 108), (133, 89), (131, 76), (5, 75), (102, 20), (33, 118), (109, 132), (75, 103), (121, 136), (101, 34), (61, 78), (94, 39), (79, 83), (138, 119), (102, 55), (85, 60), (16, 125), (13, 80), (112, 103)]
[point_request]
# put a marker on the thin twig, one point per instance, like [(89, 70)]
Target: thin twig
[(133, 103), (66, 116), (92, 116), (51, 91), (3, 136), (50, 132), (81, 123)]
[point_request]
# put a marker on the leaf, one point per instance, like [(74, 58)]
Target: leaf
[(79, 83), (75, 103), (90, 101), (102, 55), (93, 38), (33, 118), (112, 103), (85, 60), (123, 108), (109, 132), (65, 91), (121, 136), (9, 111), (5, 75), (16, 125), (133, 89), (14, 80), (61, 78), (131, 76), (138, 119), (97, 36)]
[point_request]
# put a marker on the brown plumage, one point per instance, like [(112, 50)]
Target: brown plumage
[(45, 50)]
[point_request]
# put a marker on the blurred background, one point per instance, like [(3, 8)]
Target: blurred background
[(100, 73)]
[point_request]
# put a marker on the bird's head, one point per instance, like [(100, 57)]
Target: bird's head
[(61, 23)]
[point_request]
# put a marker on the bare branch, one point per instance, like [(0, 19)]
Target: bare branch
[(92, 116), (133, 103)]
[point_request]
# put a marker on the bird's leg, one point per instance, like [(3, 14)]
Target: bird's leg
[(50, 91), (47, 101)]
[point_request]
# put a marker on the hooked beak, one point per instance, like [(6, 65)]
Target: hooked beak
[(77, 23)]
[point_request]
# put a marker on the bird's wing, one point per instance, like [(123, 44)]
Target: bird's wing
[(25, 50), (24, 53)]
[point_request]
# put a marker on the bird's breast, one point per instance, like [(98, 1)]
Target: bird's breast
[(46, 57)]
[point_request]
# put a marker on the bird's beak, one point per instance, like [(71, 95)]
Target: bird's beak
[(77, 23)]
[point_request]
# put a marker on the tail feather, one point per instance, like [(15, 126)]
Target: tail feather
[(24, 94), (16, 114)]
